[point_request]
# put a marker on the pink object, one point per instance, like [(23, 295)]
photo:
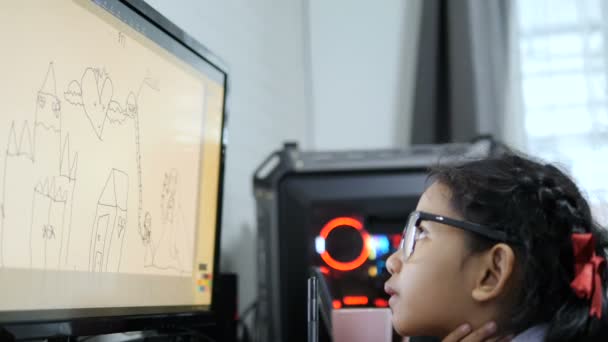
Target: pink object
[(361, 325)]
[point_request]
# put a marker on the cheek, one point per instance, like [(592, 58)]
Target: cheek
[(428, 286)]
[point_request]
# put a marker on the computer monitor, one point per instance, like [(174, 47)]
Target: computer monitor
[(111, 164)]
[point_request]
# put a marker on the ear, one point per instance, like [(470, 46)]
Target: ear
[(495, 271)]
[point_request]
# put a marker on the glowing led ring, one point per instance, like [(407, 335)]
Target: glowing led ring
[(352, 223)]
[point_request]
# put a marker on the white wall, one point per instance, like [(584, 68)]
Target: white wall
[(261, 42), (359, 57), (363, 55)]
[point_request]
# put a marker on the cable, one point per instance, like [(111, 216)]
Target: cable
[(247, 310), (245, 333)]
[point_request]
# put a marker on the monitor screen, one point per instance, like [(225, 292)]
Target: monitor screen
[(110, 161)]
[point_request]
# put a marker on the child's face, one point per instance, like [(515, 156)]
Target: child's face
[(430, 292)]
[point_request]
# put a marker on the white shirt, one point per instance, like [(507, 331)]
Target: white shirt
[(534, 334)]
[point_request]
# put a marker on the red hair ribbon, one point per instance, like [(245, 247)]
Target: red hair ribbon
[(587, 283)]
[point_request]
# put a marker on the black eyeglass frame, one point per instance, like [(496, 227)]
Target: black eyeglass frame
[(416, 217)]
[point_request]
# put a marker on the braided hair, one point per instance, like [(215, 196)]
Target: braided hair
[(540, 207)]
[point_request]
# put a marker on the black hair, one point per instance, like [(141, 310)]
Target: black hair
[(539, 206)]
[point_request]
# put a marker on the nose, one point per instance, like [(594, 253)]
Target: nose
[(393, 263)]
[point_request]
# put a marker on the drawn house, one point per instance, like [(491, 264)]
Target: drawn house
[(109, 225), (46, 140), (33, 161), (16, 198), (48, 217), (51, 212), (20, 145)]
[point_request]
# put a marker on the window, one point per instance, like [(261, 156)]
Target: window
[(563, 47)]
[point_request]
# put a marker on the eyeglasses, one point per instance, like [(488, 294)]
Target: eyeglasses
[(412, 231)]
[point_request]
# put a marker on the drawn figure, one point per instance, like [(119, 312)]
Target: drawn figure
[(169, 243)]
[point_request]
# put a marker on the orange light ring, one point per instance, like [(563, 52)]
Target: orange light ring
[(348, 222)]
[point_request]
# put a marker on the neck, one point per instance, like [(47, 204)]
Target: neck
[(480, 315)]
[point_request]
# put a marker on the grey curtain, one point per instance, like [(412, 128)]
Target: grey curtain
[(462, 76), (462, 72)]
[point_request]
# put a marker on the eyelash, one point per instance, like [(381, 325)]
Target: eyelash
[(419, 231)]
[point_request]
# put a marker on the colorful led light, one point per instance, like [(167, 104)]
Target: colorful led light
[(379, 246), (380, 303), (320, 245), (373, 271), (372, 249), (355, 300), (382, 245), (396, 240), (381, 264)]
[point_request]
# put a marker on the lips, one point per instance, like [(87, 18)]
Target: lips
[(389, 290)]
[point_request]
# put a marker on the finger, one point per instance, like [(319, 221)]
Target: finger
[(481, 334), (458, 334), (506, 338)]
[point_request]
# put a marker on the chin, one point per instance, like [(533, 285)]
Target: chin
[(405, 327), (402, 327), (405, 331)]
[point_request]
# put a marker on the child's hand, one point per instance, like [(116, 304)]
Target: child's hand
[(483, 334)]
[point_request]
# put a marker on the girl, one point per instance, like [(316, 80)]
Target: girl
[(504, 239)]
